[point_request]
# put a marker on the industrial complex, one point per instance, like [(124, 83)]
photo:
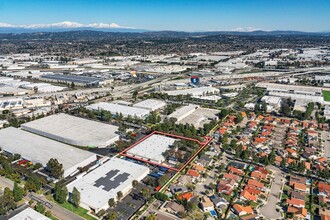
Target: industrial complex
[(120, 109), (38, 149), (104, 182), (152, 148), (73, 130), (150, 104)]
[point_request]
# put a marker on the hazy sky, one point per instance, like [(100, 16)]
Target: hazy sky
[(186, 15)]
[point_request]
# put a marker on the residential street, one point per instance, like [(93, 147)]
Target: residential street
[(58, 211), (269, 210)]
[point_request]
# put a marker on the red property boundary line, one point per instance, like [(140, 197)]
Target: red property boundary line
[(202, 144)]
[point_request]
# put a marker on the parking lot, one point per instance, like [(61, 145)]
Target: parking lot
[(129, 204)]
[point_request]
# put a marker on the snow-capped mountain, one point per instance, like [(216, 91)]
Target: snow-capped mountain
[(64, 26)]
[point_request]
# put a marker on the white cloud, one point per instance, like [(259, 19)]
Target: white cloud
[(247, 29), (6, 25), (65, 24)]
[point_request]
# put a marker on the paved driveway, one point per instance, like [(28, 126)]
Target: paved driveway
[(269, 210), (326, 137), (58, 211)]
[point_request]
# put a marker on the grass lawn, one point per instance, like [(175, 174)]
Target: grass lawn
[(79, 211), (326, 95), (254, 204)]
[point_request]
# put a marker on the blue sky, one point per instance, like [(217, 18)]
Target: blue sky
[(186, 15)]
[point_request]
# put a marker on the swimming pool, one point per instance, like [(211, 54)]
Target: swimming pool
[(213, 213)]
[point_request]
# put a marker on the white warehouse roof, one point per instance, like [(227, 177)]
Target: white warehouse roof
[(152, 148), (115, 108), (74, 130), (29, 214), (103, 183), (150, 104), (38, 149), (200, 91)]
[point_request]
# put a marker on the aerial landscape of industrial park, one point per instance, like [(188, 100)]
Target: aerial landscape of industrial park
[(99, 121)]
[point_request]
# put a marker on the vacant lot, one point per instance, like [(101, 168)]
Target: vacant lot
[(326, 95)]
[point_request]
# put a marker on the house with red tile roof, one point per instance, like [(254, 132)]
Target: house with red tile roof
[(234, 170), (242, 210), (245, 195), (255, 183), (252, 190), (300, 187), (298, 203), (278, 160), (258, 175), (299, 213), (198, 168), (226, 186), (185, 196), (230, 176), (193, 173), (324, 189)]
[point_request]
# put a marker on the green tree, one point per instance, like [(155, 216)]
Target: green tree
[(33, 183), (60, 193), (17, 192), (7, 202), (40, 208), (161, 196), (135, 94), (55, 168), (119, 195), (112, 216), (151, 217), (111, 202), (75, 197), (135, 183)]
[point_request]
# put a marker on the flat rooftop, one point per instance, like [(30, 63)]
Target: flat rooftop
[(152, 148), (199, 91), (29, 214), (72, 78), (39, 149), (296, 88), (116, 108), (74, 130), (103, 183), (152, 104)]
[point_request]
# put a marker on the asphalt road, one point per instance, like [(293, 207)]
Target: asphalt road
[(58, 211), (4, 182), (269, 210)]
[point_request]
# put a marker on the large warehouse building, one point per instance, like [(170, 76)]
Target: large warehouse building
[(195, 115), (151, 104), (38, 149), (152, 148), (103, 183), (116, 108), (74, 130)]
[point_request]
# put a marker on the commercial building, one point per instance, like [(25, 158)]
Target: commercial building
[(183, 112), (29, 214), (43, 87), (199, 91), (150, 104), (11, 103), (104, 182), (193, 114), (74, 130), (77, 80), (38, 149), (116, 108), (152, 148), (303, 93), (273, 101)]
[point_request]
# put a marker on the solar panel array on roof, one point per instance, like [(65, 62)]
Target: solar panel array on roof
[(72, 78)]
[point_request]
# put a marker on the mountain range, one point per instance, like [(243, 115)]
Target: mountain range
[(66, 26)]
